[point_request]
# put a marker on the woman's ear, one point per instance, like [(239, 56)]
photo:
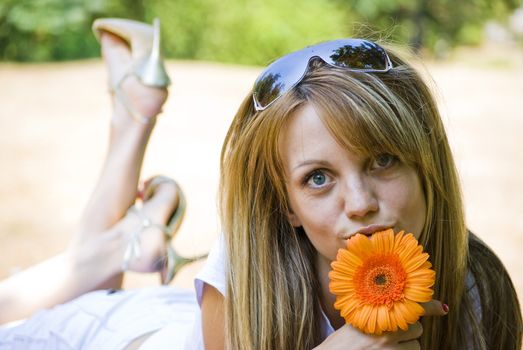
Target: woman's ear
[(294, 220)]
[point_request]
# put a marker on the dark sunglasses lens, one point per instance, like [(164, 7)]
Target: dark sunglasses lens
[(357, 54), (279, 78)]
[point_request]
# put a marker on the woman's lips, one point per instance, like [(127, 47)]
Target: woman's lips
[(369, 230)]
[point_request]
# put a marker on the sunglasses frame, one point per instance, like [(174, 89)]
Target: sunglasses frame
[(297, 64)]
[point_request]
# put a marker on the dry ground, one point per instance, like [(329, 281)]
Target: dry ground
[(54, 130)]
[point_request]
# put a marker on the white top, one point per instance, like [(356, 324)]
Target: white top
[(214, 274), (113, 319), (104, 320)]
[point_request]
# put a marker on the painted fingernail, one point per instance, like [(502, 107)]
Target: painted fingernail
[(445, 308)]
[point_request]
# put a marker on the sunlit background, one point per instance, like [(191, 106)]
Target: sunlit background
[(54, 106)]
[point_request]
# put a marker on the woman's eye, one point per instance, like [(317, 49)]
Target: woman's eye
[(384, 160), (317, 179)]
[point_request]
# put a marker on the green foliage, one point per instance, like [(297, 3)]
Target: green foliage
[(37, 30), (425, 23), (251, 32), (241, 31)]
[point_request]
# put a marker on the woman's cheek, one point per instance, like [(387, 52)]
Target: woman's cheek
[(406, 201), (322, 234)]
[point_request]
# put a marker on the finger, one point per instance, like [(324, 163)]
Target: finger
[(410, 345), (435, 308), (414, 331)]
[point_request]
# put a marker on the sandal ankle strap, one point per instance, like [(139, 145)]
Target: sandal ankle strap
[(133, 249), (137, 116)]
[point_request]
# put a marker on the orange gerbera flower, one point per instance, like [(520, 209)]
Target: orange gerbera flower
[(380, 281)]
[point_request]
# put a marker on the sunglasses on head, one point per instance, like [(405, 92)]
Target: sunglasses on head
[(283, 74)]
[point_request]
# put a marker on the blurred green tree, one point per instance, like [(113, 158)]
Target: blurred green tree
[(246, 31), (430, 23), (44, 30), (241, 31)]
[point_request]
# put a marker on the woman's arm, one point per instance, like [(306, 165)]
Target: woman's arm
[(213, 318)]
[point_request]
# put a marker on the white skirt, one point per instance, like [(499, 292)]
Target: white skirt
[(106, 320)]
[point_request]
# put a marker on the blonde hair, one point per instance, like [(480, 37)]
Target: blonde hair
[(272, 292)]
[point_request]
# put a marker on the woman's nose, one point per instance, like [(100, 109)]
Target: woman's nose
[(359, 198)]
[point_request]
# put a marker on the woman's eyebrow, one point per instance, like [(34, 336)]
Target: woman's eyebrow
[(311, 162)]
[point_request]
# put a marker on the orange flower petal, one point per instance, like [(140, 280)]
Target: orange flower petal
[(364, 316), (393, 321), (360, 246), (349, 307), (421, 295), (415, 311), (422, 273), (400, 318), (416, 262), (383, 243), (341, 288), (421, 282), (343, 254), (383, 318), (373, 320)]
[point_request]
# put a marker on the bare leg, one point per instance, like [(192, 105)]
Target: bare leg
[(94, 257), (116, 187), (115, 190), (83, 266)]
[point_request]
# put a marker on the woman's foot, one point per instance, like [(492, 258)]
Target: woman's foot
[(147, 101), (143, 230), (135, 243)]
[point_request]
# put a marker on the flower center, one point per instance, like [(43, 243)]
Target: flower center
[(380, 280)]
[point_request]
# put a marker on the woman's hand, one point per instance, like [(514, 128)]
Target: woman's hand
[(350, 338)]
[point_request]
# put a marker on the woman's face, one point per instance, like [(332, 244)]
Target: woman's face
[(334, 194)]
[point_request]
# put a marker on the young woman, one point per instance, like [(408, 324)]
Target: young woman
[(339, 138), (336, 139)]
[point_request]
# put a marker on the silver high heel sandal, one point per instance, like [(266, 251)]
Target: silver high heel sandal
[(174, 261), (147, 62)]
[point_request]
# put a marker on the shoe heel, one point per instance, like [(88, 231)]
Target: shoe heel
[(144, 41), (152, 70), (175, 263)]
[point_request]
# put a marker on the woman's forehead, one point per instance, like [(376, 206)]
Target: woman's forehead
[(306, 139), (354, 131)]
